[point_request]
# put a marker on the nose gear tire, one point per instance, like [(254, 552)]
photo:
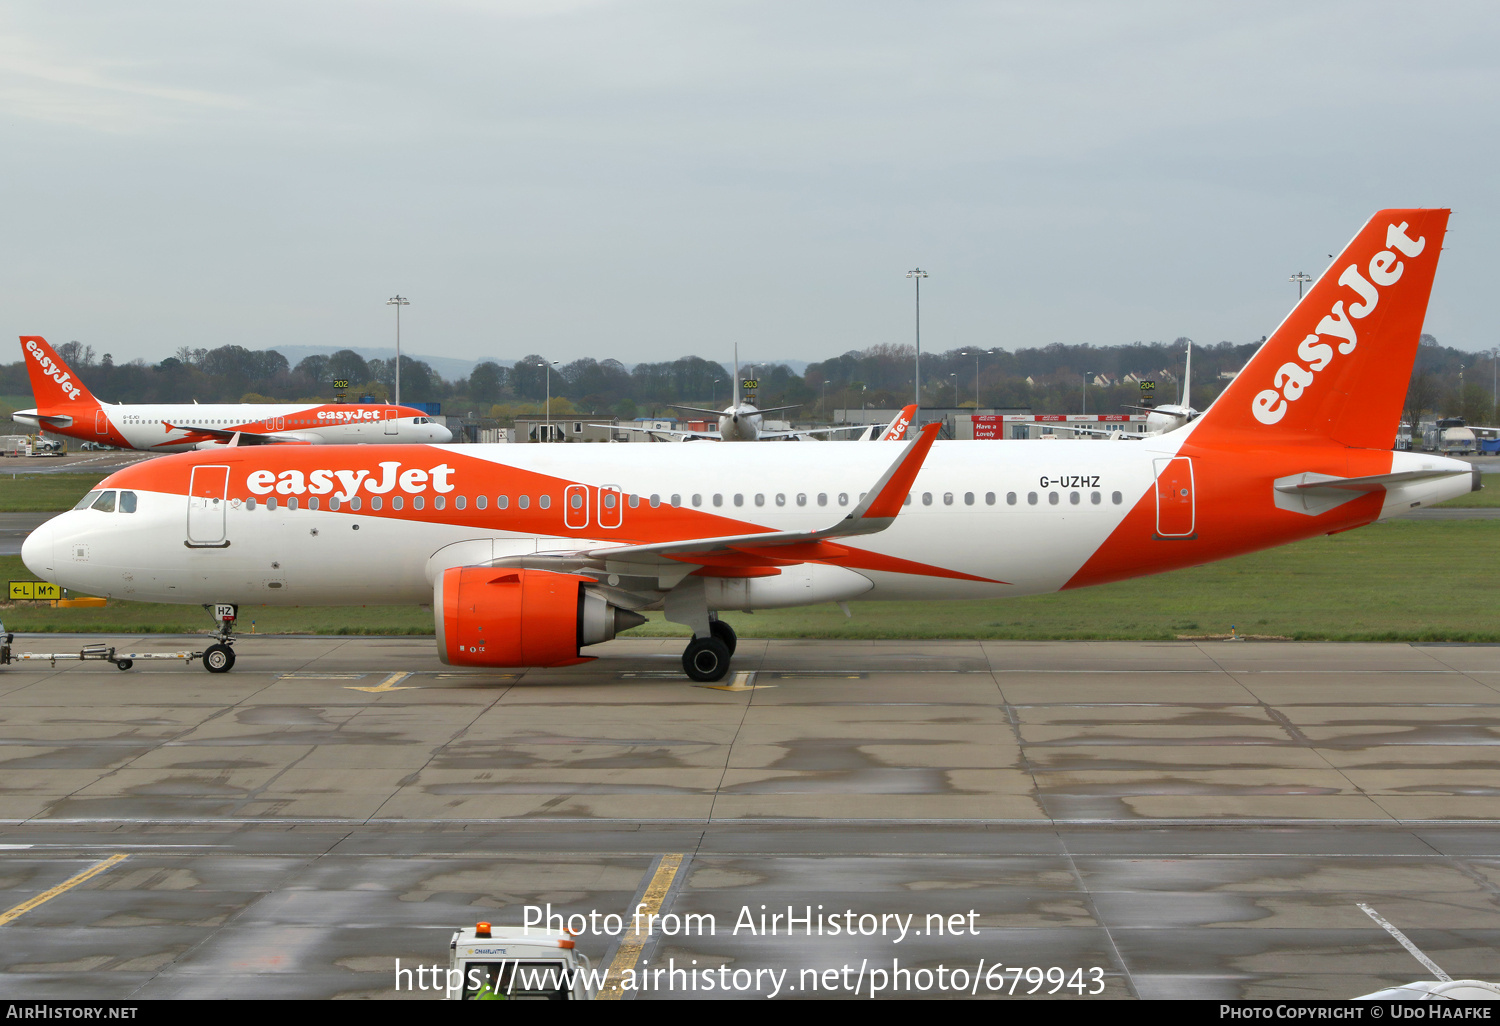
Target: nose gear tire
[(218, 659)]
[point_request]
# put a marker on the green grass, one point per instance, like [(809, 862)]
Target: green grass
[(41, 493), (1398, 581)]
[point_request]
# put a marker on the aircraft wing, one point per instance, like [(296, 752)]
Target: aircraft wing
[(199, 435), (685, 435), (812, 431), (768, 549)]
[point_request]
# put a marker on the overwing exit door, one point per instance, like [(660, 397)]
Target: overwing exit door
[(390, 421)]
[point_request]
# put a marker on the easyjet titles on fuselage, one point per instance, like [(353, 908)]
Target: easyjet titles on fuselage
[(321, 482)]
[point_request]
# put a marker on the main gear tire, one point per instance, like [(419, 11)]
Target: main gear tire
[(724, 633), (706, 660)]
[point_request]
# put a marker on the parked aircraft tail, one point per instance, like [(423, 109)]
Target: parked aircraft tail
[(1338, 367), (56, 388)]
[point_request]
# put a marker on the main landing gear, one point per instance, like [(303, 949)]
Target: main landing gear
[(219, 658), (707, 659)]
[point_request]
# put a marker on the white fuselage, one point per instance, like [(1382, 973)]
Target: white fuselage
[(1023, 516), (170, 427)]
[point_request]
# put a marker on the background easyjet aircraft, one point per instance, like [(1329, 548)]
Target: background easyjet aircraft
[(530, 553), (65, 407)]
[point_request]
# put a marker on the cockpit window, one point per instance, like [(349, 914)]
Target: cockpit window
[(87, 500), (127, 502), (106, 502)]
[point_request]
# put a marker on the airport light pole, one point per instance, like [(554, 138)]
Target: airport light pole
[(398, 302), (1086, 392), (1301, 278), (917, 274), (550, 364)]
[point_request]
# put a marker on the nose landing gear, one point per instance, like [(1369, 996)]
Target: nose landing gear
[(219, 658)]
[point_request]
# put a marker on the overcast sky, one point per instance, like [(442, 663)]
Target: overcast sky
[(646, 179)]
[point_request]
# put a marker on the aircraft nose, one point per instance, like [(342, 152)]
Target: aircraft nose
[(441, 434), (36, 550)]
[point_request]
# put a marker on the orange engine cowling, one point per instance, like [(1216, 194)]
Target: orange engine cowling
[(489, 616)]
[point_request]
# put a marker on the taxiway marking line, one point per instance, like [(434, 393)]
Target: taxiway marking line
[(48, 895), (389, 684), (744, 681), (1404, 941), (630, 948)]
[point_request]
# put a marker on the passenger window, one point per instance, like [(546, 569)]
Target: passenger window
[(250, 504), (822, 498), (1116, 498), (927, 498), (760, 499), (1073, 498), (968, 498), (375, 502), (292, 503), (501, 502), (635, 501), (718, 499), (906, 501), (780, 498), (947, 498), (576, 501), (418, 501), (356, 502), (271, 502), (480, 501), (802, 498), (1094, 497), (843, 498), (1010, 498), (697, 499), (397, 502), (1031, 498), (676, 501), (105, 503), (544, 501), (438, 502), (1052, 498), (312, 503), (609, 500), (127, 502), (655, 500), (524, 501), (460, 502), (739, 499)]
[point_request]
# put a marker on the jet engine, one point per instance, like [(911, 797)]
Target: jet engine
[(491, 616)]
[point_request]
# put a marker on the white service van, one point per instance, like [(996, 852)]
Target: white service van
[(511, 963)]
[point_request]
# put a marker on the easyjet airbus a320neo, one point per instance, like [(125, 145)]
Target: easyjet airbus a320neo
[(531, 553), (65, 407)]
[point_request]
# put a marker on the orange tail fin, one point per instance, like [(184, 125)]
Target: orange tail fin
[(53, 382), (1339, 365)]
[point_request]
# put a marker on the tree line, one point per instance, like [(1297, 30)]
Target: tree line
[(1050, 379)]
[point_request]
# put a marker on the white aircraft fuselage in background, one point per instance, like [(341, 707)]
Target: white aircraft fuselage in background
[(66, 407)]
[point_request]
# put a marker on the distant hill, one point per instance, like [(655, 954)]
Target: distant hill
[(453, 369), (450, 368)]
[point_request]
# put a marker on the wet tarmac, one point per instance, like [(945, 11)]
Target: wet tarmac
[(1193, 819)]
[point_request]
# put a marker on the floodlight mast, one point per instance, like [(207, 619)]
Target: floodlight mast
[(398, 302), (1301, 278), (918, 274)]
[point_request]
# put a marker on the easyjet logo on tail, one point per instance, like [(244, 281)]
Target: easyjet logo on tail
[(1292, 378), (53, 371)]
